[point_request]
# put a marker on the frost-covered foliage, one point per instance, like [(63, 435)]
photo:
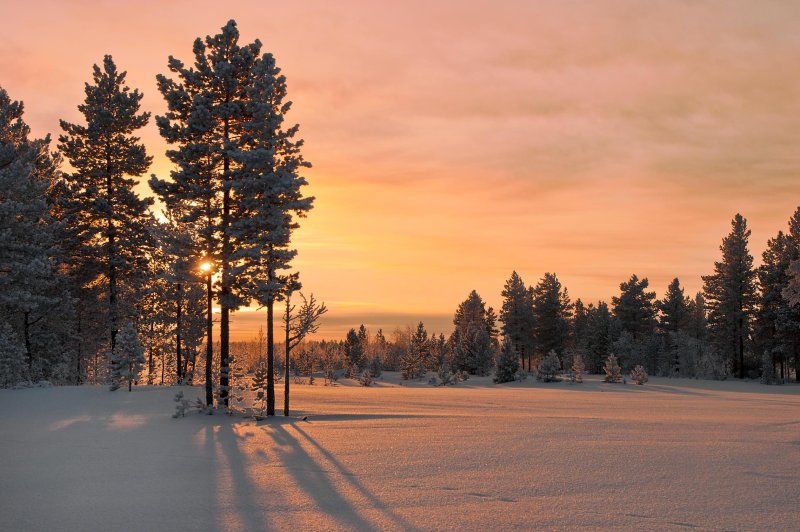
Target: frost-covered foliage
[(578, 368), (365, 379), (375, 367), (612, 369), (353, 348), (507, 363), (767, 368), (639, 375), (413, 363), (549, 368), (259, 386), (127, 359), (473, 351), (183, 405), (12, 357)]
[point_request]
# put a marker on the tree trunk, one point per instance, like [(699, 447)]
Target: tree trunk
[(112, 270), (178, 365), (27, 333), (286, 365), (225, 289), (209, 343), (79, 379), (270, 359), (741, 348)]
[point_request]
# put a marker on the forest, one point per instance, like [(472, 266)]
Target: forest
[(102, 285)]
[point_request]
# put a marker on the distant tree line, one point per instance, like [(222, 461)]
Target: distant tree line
[(745, 323)]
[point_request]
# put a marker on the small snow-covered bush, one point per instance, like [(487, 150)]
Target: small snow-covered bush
[(612, 369), (365, 378), (259, 386), (184, 405), (127, 358), (549, 368), (639, 375), (506, 364)]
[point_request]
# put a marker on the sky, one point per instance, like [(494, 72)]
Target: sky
[(454, 142)]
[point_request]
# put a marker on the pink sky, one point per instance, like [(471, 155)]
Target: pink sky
[(455, 141)]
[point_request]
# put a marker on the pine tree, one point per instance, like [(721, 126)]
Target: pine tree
[(788, 323), (730, 295), (552, 311), (207, 121), (412, 364), (259, 386), (635, 307), (516, 314), (598, 335), (268, 188), (549, 368), (773, 278), (472, 341), (639, 375), (105, 213), (507, 364), (674, 308), (32, 298), (127, 359), (354, 353), (612, 369)]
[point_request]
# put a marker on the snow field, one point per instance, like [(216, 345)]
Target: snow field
[(672, 454)]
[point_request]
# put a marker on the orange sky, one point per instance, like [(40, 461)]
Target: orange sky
[(455, 141)]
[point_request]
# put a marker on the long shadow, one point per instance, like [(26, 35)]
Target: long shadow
[(241, 484), (350, 477), (312, 478)]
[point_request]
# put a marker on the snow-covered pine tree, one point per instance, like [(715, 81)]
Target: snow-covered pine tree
[(598, 335), (507, 363), (639, 375), (612, 369), (552, 311), (674, 308), (412, 364), (549, 368), (127, 359), (730, 294), (205, 121), (578, 367), (259, 386), (33, 299), (106, 215), (268, 184), (635, 307), (354, 354)]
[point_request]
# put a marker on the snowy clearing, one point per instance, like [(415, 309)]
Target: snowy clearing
[(672, 454)]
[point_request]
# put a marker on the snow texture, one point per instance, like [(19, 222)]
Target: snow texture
[(671, 455)]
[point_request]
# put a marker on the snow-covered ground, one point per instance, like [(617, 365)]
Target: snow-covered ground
[(672, 454)]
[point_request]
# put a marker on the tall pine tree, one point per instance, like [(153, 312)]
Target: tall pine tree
[(516, 314), (730, 294), (107, 217), (552, 312), (635, 307)]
